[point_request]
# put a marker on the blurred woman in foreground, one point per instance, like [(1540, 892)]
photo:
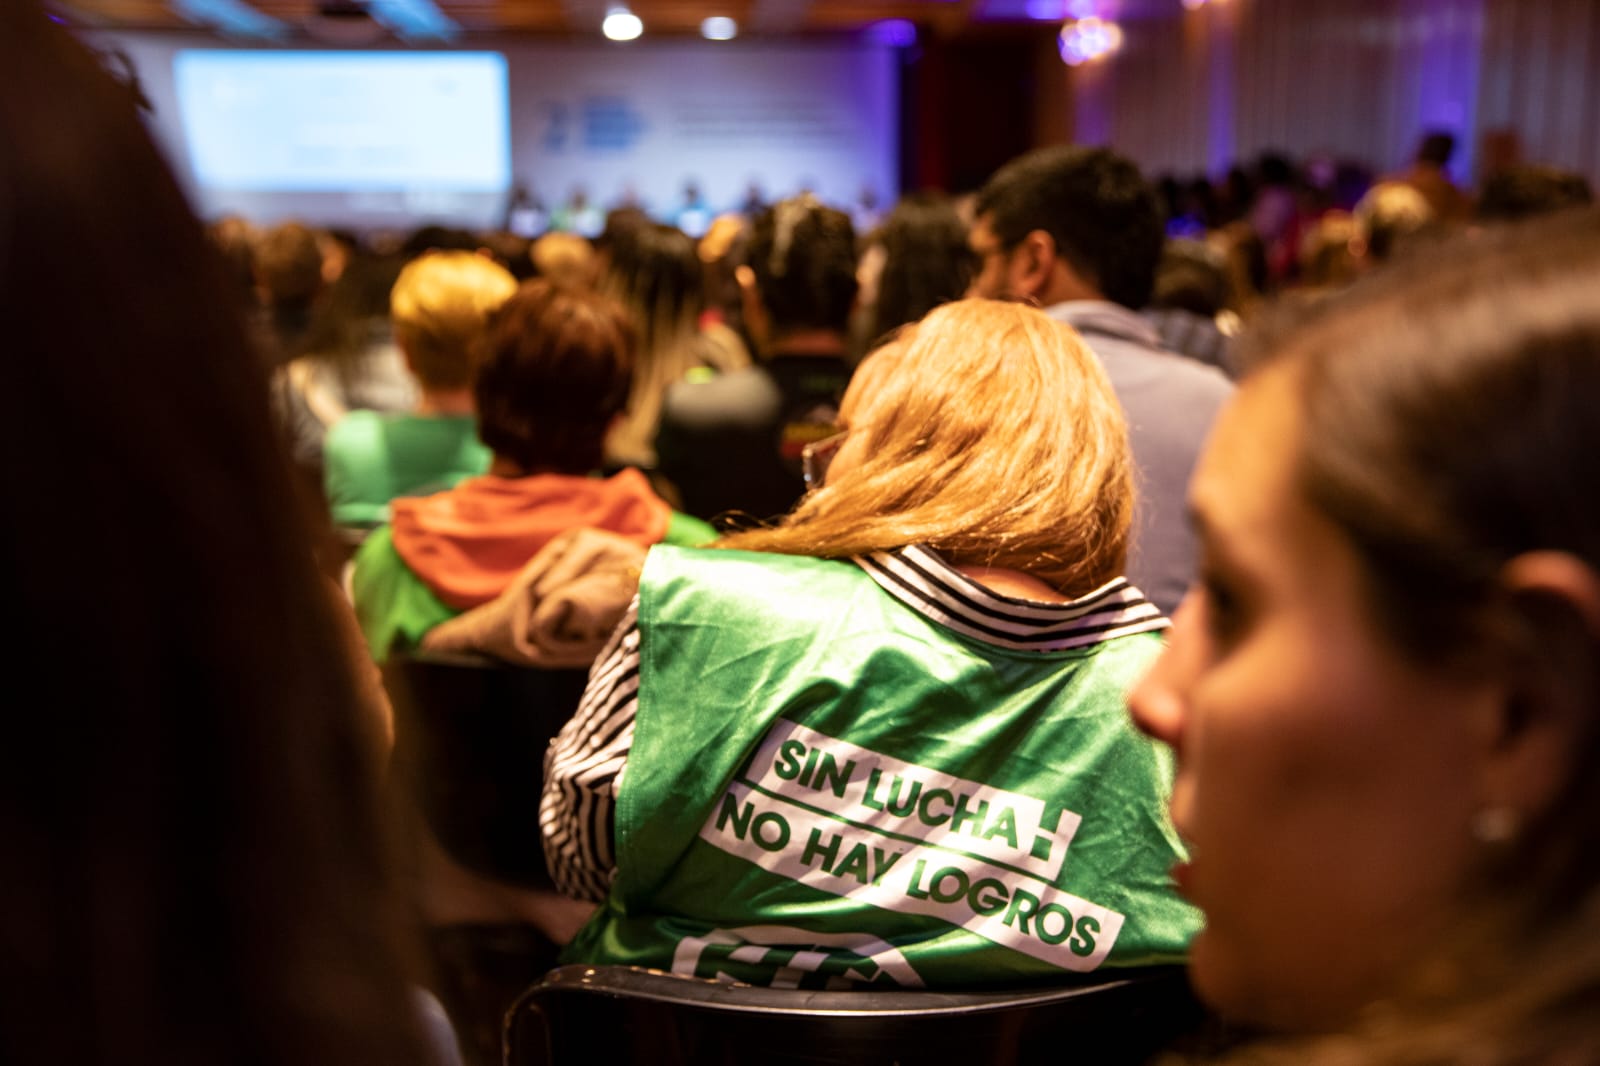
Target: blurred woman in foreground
[(1383, 692), (884, 742), (188, 804)]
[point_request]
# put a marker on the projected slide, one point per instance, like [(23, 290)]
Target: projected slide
[(324, 121)]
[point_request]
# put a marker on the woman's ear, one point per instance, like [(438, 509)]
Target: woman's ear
[(1552, 603)]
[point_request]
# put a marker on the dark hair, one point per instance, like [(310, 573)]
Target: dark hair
[(927, 261), (195, 870), (354, 308), (804, 258), (288, 261), (1437, 147), (655, 270), (556, 371), (1524, 191), (1102, 215), (1192, 276)]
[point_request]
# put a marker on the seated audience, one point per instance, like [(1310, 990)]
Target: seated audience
[(440, 306), (195, 866), (556, 371), (884, 741), (1523, 191), (733, 443), (1384, 692), (1079, 231)]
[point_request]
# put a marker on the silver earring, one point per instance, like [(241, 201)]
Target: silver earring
[(1495, 825)]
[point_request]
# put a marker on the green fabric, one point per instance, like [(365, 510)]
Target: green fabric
[(687, 531), (788, 711), (371, 457), (394, 606)]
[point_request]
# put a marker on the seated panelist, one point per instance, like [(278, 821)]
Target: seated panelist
[(883, 742)]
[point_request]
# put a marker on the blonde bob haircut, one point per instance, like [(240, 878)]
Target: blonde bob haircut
[(441, 305), (992, 437)]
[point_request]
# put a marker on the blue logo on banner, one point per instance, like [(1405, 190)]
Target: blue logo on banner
[(610, 123)]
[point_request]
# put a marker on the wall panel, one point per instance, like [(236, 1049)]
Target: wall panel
[(1360, 79)]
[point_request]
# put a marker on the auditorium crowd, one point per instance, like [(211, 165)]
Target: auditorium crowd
[(1090, 573)]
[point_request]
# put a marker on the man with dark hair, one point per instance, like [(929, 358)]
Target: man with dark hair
[(1079, 231), (733, 443)]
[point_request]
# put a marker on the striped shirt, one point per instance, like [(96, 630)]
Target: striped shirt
[(583, 769)]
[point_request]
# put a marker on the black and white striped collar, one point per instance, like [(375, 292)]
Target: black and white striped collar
[(919, 578)]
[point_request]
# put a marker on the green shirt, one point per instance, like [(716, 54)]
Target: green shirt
[(827, 783), (370, 458)]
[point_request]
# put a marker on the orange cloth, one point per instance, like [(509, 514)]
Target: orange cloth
[(468, 543)]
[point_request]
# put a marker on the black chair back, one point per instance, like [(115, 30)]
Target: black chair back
[(470, 739), (621, 1014)]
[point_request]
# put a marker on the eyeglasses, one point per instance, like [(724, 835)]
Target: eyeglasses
[(816, 457)]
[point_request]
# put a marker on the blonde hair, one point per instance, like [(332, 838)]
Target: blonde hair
[(564, 258), (441, 305), (992, 436)]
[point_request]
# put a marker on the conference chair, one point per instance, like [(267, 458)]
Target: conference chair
[(470, 738), (627, 1015)]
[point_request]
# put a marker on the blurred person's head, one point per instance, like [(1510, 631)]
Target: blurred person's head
[(1068, 223), (1523, 191), (1192, 276), (234, 239), (195, 867), (987, 432), (1326, 259), (1390, 215), (289, 265), (657, 276), (1436, 148), (926, 261), (1384, 690), (800, 271), (440, 305), (564, 259), (557, 367)]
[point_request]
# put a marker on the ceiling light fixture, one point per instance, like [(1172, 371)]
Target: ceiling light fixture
[(719, 28), (621, 25)]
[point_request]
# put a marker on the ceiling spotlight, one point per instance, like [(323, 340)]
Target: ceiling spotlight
[(719, 28), (1193, 5), (621, 25)]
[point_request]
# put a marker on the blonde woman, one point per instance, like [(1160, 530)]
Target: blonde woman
[(882, 742)]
